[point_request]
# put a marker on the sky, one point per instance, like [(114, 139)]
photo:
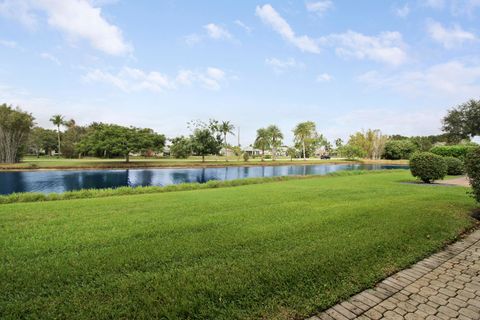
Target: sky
[(397, 66)]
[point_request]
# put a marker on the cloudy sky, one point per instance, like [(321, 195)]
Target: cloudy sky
[(347, 65)]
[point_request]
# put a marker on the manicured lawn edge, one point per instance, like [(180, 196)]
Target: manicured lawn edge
[(110, 192)]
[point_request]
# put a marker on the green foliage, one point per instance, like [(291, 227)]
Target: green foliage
[(181, 147), (246, 156), (292, 153), (42, 141), (351, 152), (463, 121), (457, 151), (276, 137), (262, 141), (399, 149), (205, 141), (455, 166), (472, 166), (15, 126), (372, 142), (305, 137), (112, 139), (428, 166), (279, 250)]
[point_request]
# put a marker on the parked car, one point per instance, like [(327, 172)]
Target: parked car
[(325, 156)]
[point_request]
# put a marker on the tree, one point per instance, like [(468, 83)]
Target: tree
[(262, 141), (206, 138), (372, 142), (58, 120), (117, 140), (226, 128), (181, 147), (351, 152), (15, 125), (40, 140), (463, 121), (275, 136), (305, 133), (399, 149), (292, 153), (338, 143)]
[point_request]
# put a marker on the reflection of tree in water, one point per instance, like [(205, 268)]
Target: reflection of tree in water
[(141, 178), (12, 182)]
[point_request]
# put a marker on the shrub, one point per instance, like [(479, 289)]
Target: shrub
[(457, 151), (454, 166), (472, 166), (246, 156), (351, 152), (399, 149), (428, 166)]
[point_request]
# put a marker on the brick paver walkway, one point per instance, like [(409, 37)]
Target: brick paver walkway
[(444, 286)]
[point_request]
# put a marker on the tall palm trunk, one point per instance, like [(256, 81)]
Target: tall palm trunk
[(225, 146), (58, 136), (303, 149)]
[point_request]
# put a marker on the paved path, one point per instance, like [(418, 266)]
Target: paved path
[(443, 286), (462, 181)]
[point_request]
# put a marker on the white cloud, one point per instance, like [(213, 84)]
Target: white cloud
[(135, 80), (272, 18), (280, 66), (324, 77), (388, 47), (8, 44), (77, 19), (319, 7), (403, 12), (50, 57), (453, 79), (242, 25), (217, 32), (449, 38)]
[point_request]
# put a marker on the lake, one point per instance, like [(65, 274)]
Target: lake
[(66, 180)]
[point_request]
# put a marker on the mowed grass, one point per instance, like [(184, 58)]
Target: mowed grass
[(33, 163), (277, 250)]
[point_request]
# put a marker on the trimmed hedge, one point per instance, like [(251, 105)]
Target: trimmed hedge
[(454, 166), (472, 166), (428, 166), (457, 151)]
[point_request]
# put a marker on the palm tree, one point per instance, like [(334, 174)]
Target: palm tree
[(303, 132), (276, 137), (58, 120), (262, 141), (226, 128)]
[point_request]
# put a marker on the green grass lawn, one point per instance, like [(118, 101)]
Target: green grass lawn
[(275, 250), (211, 161)]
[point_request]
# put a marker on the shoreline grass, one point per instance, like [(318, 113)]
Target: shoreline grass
[(280, 250), (120, 191), (33, 164)]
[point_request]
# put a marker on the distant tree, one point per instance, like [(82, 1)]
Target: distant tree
[(463, 121), (275, 136), (41, 139), (225, 127), (399, 149), (15, 126), (206, 138), (351, 152), (237, 151), (58, 120), (338, 143), (181, 147), (115, 139), (372, 142), (292, 153), (262, 141), (305, 133)]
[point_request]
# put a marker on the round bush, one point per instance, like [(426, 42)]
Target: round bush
[(472, 166), (454, 166), (428, 166)]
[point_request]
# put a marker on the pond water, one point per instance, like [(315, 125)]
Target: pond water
[(61, 181)]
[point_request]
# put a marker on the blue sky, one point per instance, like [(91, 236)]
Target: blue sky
[(347, 65)]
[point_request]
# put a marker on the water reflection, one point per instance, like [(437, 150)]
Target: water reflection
[(61, 181)]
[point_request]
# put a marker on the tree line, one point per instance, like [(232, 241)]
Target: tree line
[(19, 135)]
